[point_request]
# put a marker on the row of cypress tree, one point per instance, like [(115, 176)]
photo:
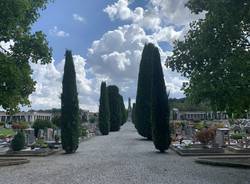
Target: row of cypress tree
[(112, 112), (151, 112)]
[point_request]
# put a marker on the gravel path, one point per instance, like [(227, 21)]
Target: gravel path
[(120, 158)]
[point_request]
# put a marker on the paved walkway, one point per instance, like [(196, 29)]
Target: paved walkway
[(120, 158)]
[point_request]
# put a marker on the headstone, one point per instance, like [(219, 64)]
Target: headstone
[(189, 131), (41, 134), (221, 134), (29, 136), (49, 134)]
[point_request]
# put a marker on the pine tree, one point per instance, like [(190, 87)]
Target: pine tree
[(114, 107), (143, 96), (69, 107), (160, 108), (104, 114)]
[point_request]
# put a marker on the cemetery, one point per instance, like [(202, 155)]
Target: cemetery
[(41, 138), (206, 138)]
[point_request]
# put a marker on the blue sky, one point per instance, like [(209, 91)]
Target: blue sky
[(81, 34), (60, 13), (107, 39)]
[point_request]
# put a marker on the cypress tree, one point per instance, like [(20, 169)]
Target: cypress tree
[(104, 115), (143, 96), (114, 107), (69, 107), (18, 141), (133, 114), (123, 111), (160, 108)]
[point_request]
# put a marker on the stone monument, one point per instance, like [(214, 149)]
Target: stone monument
[(29, 136)]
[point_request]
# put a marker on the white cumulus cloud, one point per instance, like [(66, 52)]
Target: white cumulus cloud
[(59, 33), (49, 85), (116, 55), (78, 18)]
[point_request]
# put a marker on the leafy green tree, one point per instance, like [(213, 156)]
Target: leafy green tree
[(104, 114), (41, 125), (215, 54), (160, 108), (16, 19), (18, 141), (114, 107), (69, 107), (143, 96)]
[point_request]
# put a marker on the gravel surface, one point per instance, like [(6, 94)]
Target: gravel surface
[(120, 158)]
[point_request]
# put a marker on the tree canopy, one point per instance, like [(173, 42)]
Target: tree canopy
[(17, 17), (215, 55)]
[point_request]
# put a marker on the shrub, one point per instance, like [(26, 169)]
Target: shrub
[(18, 141), (40, 143), (20, 125), (41, 124), (237, 136), (92, 119), (206, 135), (83, 131), (199, 126)]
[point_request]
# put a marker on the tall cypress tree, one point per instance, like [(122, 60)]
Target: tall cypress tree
[(133, 113), (123, 111), (114, 107), (160, 108), (69, 107), (143, 96), (104, 115)]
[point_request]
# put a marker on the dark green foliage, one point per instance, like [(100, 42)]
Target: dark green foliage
[(104, 114), (123, 111), (160, 108), (83, 130), (41, 124), (18, 141), (69, 107), (215, 54), (56, 120), (143, 96), (16, 19), (114, 107), (184, 104), (92, 119), (133, 113)]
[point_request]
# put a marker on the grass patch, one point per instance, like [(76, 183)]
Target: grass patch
[(5, 132)]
